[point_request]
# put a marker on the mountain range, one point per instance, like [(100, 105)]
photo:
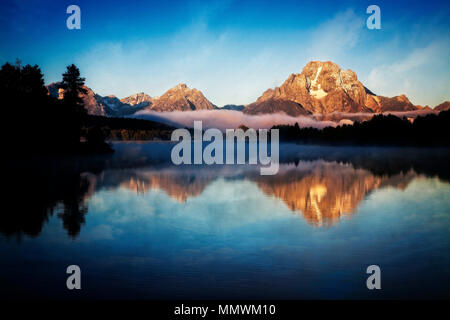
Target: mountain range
[(321, 88)]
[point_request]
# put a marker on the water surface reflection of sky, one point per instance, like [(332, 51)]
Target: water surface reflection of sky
[(227, 232)]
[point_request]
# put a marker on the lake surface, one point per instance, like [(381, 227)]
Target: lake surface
[(142, 228)]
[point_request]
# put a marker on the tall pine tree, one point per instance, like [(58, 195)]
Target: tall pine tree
[(73, 86)]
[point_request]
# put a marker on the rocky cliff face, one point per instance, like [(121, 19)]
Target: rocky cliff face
[(181, 98), (124, 107), (323, 88), (138, 99), (382, 104)]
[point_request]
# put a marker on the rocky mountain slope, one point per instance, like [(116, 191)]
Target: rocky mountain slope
[(178, 98), (181, 98), (274, 105), (138, 100), (323, 88), (383, 104), (443, 106)]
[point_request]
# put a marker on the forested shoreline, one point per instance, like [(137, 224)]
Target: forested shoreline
[(37, 123), (382, 130), (123, 129)]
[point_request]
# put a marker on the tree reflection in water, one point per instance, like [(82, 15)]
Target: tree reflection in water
[(323, 188)]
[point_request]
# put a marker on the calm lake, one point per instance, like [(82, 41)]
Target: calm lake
[(142, 228)]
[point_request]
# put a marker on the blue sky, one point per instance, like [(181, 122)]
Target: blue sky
[(232, 50)]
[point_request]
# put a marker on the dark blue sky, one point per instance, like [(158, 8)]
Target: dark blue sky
[(232, 50)]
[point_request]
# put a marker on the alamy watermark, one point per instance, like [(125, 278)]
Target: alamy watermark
[(374, 280), (74, 20), (374, 20), (213, 153), (74, 280)]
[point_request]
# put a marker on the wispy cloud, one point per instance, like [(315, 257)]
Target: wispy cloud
[(422, 75), (336, 38), (234, 51)]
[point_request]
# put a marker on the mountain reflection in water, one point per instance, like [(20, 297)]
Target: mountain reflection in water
[(310, 183), (322, 192), (142, 228)]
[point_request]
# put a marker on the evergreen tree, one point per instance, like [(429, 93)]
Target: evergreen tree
[(73, 86), (75, 113)]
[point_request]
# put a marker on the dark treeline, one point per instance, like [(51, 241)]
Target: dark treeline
[(36, 122), (429, 130), (130, 128), (39, 123)]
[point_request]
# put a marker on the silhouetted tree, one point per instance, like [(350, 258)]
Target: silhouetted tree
[(25, 97), (75, 112), (37, 122), (73, 86)]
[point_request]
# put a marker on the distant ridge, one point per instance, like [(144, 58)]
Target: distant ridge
[(321, 89), (443, 106), (102, 106), (232, 107)]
